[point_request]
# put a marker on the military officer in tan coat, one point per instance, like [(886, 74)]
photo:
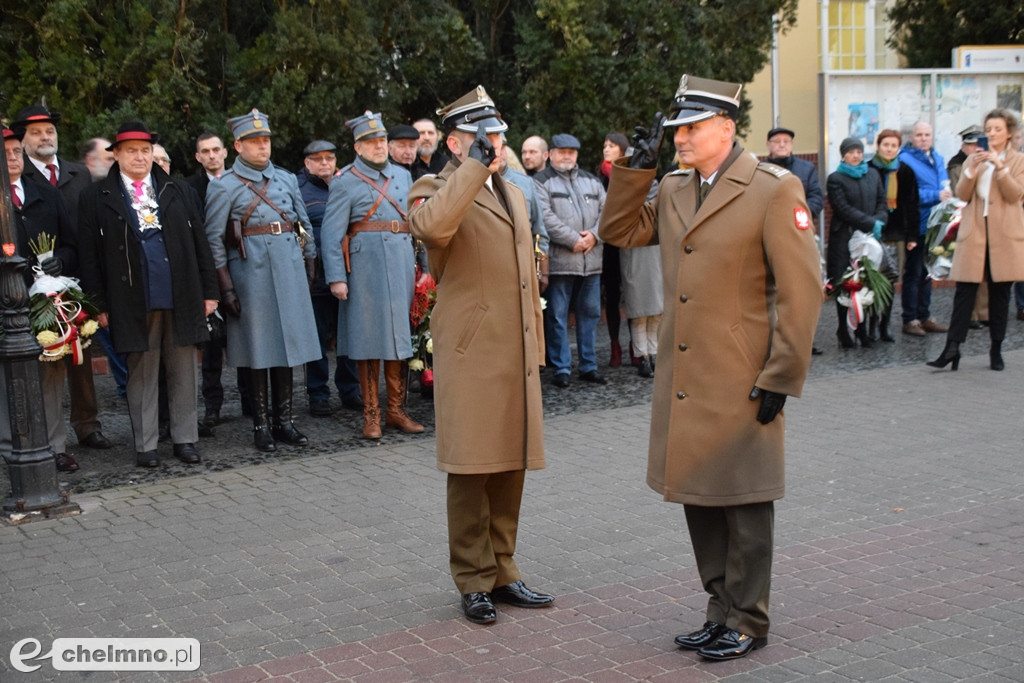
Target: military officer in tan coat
[(488, 344), (742, 297)]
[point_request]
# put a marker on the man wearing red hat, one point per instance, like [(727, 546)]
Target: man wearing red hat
[(38, 209), (37, 126), (137, 227)]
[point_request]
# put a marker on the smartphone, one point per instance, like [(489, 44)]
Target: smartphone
[(983, 142)]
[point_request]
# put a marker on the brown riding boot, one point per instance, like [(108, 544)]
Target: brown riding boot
[(369, 383), (395, 376)]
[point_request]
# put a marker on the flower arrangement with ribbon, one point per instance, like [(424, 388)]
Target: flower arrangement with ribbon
[(423, 300), (940, 237), (863, 289), (61, 315)]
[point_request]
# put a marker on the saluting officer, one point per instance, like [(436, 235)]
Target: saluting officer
[(253, 214), (373, 272), (737, 251), (488, 343)]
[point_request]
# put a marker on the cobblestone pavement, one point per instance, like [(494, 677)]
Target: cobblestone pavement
[(899, 548)]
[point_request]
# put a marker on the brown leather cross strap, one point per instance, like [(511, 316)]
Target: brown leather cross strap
[(382, 190), (275, 228), (261, 194), (379, 226)]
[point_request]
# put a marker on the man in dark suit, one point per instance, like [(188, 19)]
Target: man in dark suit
[(38, 210), (137, 227), (211, 155), (37, 125)]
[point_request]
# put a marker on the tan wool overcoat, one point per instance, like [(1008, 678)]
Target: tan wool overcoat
[(742, 296), (487, 329), (1004, 239)]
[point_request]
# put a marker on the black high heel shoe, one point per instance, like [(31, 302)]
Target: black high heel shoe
[(950, 354)]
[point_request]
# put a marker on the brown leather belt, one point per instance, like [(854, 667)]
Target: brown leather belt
[(378, 226), (275, 228)]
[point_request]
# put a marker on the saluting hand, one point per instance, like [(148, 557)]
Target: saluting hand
[(647, 144), (482, 150)]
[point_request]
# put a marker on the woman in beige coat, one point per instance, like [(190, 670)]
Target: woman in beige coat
[(990, 242)]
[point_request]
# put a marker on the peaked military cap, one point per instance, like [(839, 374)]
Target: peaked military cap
[(36, 113), (971, 133), (133, 130), (367, 127), (469, 111), (698, 99), (251, 125)]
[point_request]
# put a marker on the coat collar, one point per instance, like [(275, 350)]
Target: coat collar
[(733, 177), (242, 170), (484, 197)]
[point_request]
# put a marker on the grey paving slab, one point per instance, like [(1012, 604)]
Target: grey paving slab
[(899, 553)]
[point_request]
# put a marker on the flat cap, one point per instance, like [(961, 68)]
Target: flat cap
[(564, 141), (403, 131), (775, 131), (318, 146)]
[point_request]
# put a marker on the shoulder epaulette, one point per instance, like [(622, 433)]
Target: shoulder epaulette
[(776, 171)]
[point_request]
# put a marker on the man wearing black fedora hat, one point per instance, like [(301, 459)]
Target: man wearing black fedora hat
[(38, 127), (747, 286), (147, 263)]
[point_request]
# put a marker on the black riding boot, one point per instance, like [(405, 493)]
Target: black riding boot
[(281, 390), (258, 403)]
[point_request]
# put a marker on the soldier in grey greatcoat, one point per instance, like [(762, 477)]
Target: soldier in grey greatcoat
[(369, 263), (253, 214)]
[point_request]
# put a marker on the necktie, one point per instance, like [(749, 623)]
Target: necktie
[(139, 191), (14, 196), (53, 174), (705, 187)]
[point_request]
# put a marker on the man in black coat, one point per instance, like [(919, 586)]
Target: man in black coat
[(37, 126), (146, 261), (38, 210)]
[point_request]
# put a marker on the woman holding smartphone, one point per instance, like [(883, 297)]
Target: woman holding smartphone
[(990, 242)]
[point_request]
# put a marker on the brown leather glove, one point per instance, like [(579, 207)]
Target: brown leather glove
[(545, 269), (228, 298)]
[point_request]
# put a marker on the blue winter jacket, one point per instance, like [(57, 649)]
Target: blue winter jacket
[(931, 174)]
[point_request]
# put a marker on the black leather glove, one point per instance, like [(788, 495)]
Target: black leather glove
[(482, 150), (771, 404), (52, 266), (310, 264), (647, 144), (230, 303)]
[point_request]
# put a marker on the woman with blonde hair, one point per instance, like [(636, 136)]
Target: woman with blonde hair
[(990, 241)]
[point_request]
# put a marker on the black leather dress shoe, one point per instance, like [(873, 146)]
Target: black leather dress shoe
[(731, 645), (65, 463), (561, 380), (706, 635), (320, 407), (147, 459), (186, 453), (96, 440), (478, 608), (594, 377), (518, 595)]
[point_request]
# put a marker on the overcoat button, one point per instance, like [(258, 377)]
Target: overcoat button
[(681, 395), (682, 347), (688, 249), (682, 297)]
